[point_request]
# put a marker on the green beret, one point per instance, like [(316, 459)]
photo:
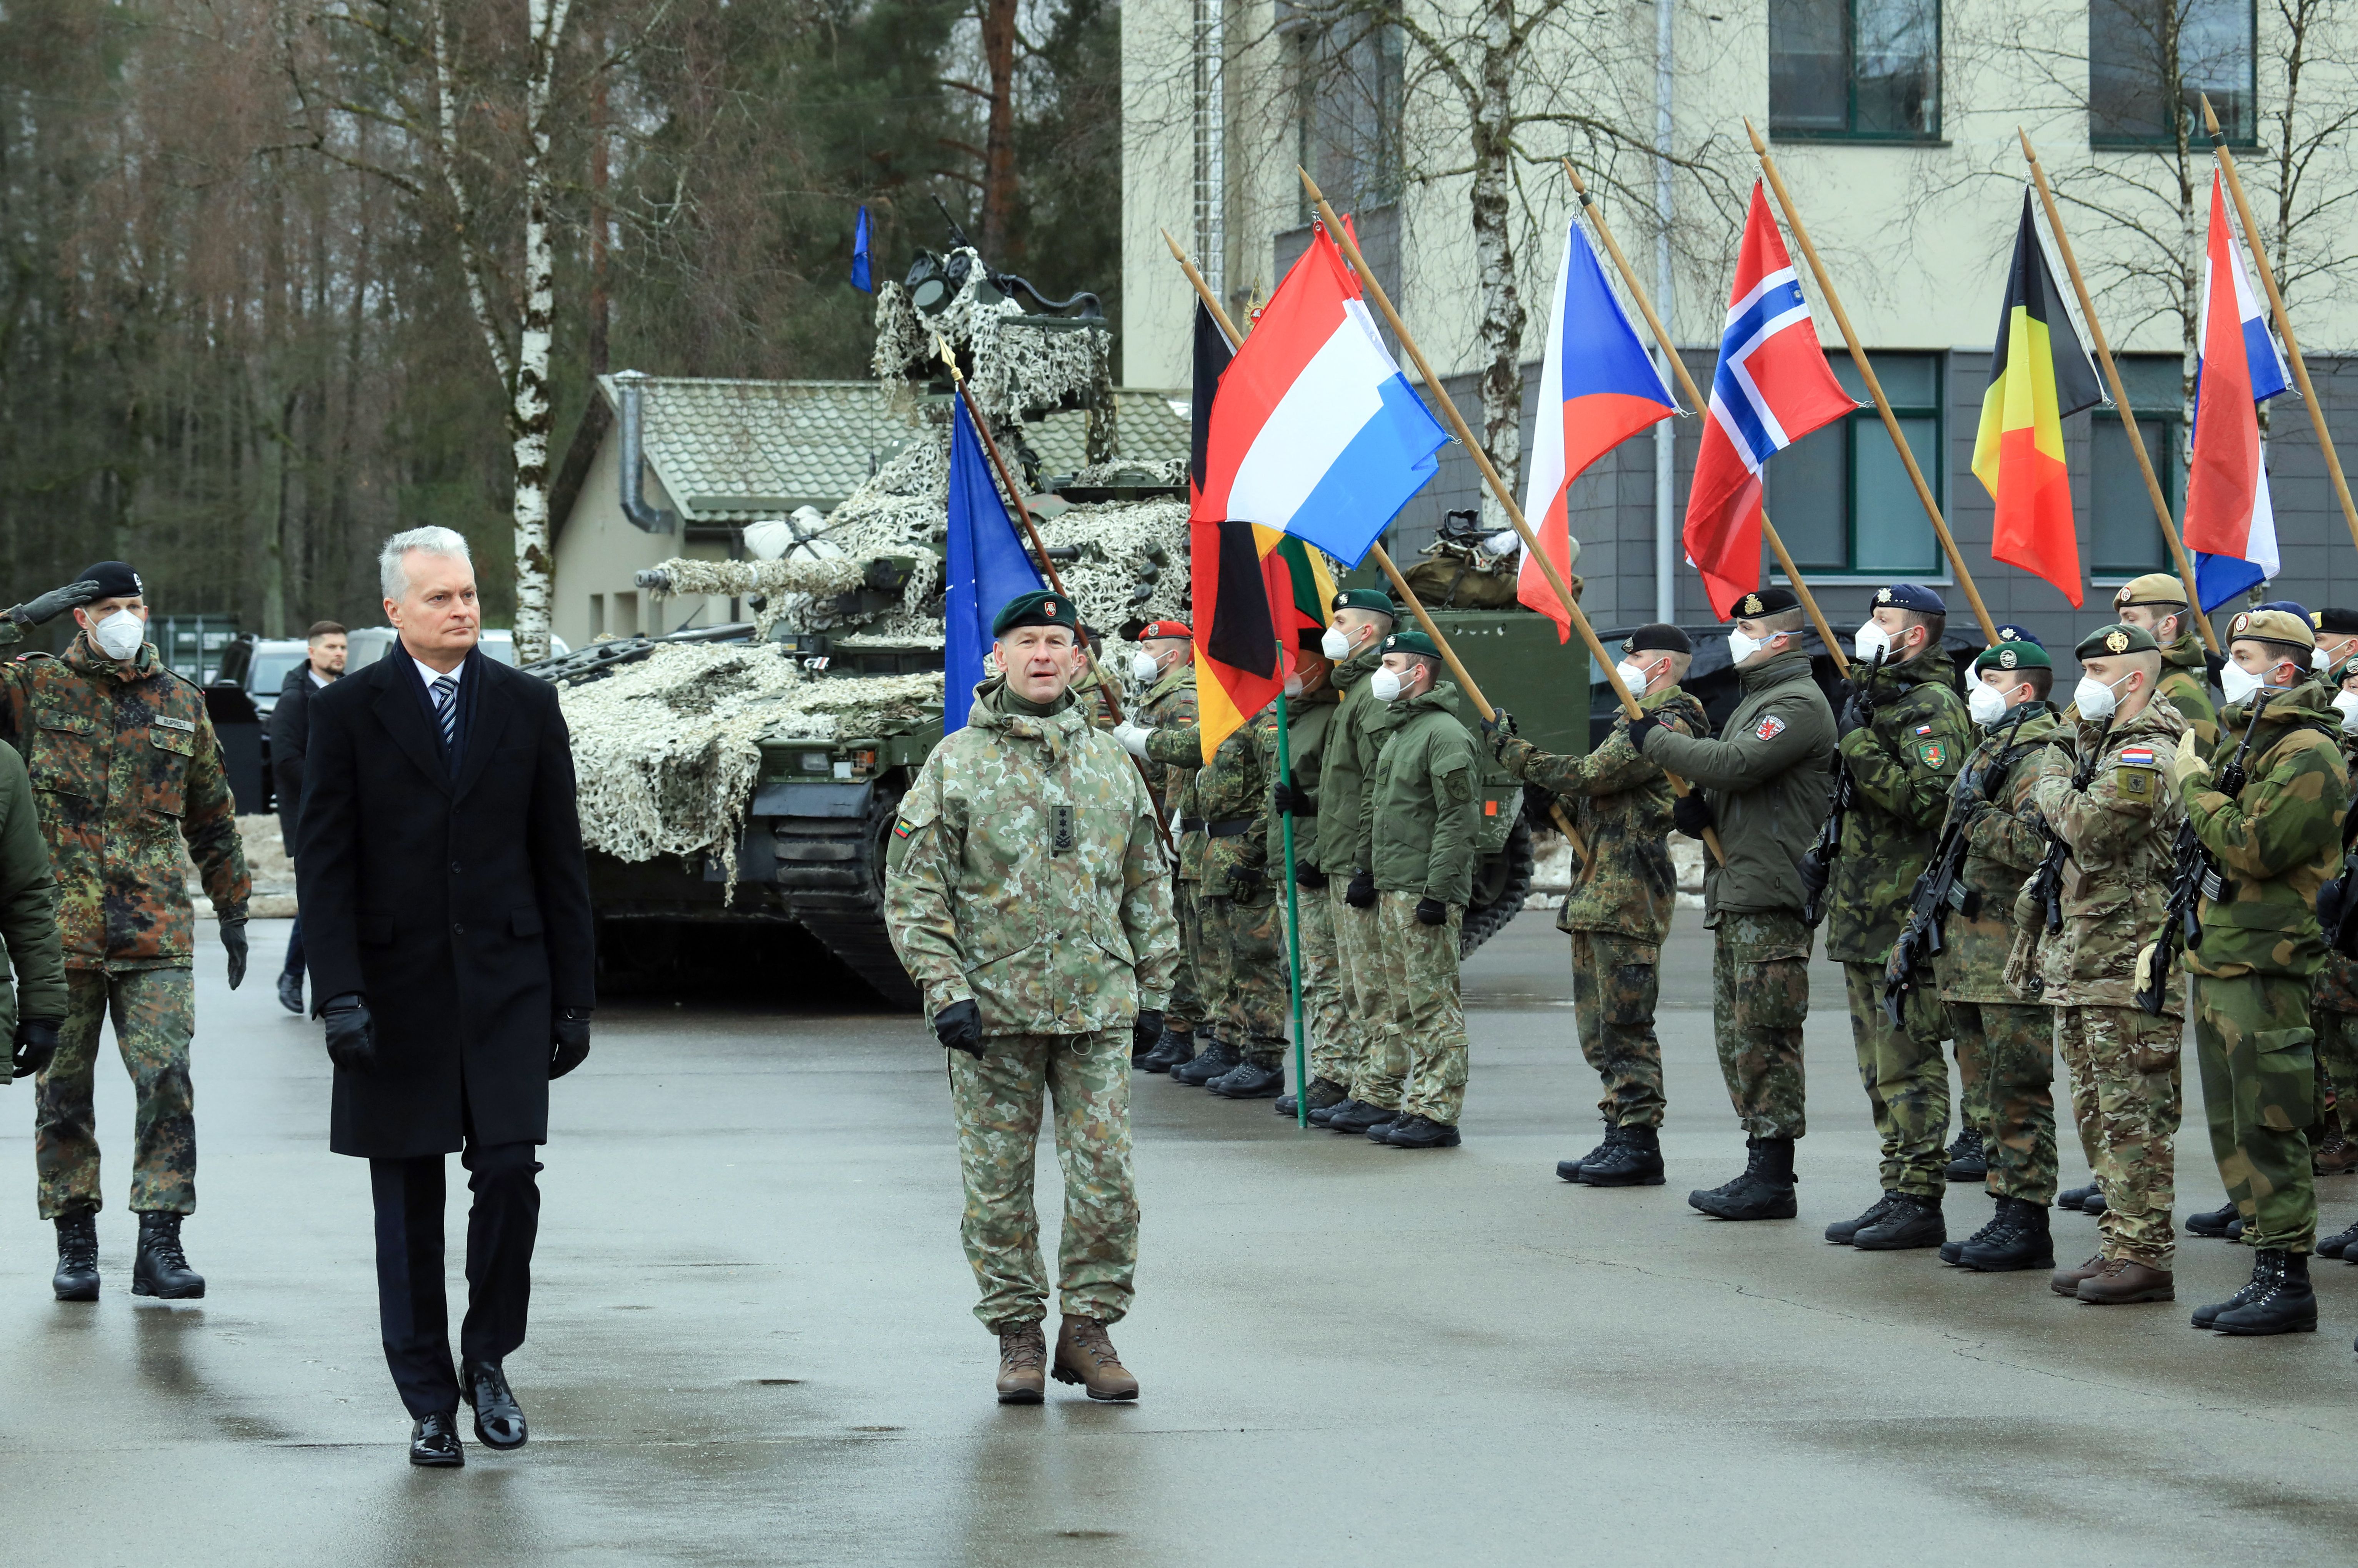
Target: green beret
[(2273, 626), (2014, 657), (1374, 599), (2111, 642), (1410, 641), (2343, 670), (1043, 607)]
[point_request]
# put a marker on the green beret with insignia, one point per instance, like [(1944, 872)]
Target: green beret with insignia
[(2013, 655), (1043, 606), (1410, 641), (2112, 641), (1373, 598), (2345, 669), (2273, 626)]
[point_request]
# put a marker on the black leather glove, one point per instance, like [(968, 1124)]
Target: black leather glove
[(351, 1033), (1245, 881), (54, 603), (1308, 876), (36, 1041), (1856, 711), (1499, 726), (569, 1040), (1146, 1029), (1638, 728), (1431, 912), (959, 1025), (1281, 799), (1361, 893), (1691, 813), (232, 936)]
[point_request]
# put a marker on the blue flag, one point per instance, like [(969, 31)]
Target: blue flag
[(859, 278), (987, 566)]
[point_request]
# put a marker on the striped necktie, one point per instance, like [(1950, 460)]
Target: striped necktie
[(446, 709)]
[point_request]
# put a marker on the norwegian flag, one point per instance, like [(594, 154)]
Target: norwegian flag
[(1772, 387)]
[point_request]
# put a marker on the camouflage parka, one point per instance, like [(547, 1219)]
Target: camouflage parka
[(1099, 691), (2186, 683), (28, 910), (1310, 722), (1620, 803), (1224, 828), (2278, 841), (125, 766), (2335, 989), (2119, 831), (1343, 779), (1423, 814), (2003, 847), (1170, 700), (1024, 872), (1903, 763)]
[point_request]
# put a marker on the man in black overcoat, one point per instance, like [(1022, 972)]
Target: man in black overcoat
[(291, 736), (446, 920)]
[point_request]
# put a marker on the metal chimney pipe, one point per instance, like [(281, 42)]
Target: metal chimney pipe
[(630, 386)]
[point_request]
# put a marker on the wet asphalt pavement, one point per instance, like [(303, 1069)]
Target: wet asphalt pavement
[(751, 1340)]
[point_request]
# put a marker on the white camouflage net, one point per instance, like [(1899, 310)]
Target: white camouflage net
[(1012, 368)]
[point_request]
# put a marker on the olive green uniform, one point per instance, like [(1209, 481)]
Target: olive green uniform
[(28, 911), (1169, 702), (1342, 814)]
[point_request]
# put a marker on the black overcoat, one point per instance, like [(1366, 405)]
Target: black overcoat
[(458, 906), (290, 734)]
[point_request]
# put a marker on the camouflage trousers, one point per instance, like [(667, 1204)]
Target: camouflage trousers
[(1907, 1081), (1421, 1068), (1615, 979), (1241, 967), (1359, 953), (1381, 1063), (155, 1013), (2124, 1065), (1331, 1057), (2337, 1071), (1185, 1010), (998, 1102), (2005, 1057), (2258, 1056), (1760, 1000)]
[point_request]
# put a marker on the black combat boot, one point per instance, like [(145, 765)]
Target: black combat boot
[(1635, 1161), (2282, 1304), (1213, 1061), (1953, 1252), (2025, 1241), (1176, 1047), (2338, 1244), (1912, 1221), (1358, 1115), (1421, 1133), (1967, 1160), (1245, 1081), (162, 1269), (1764, 1190), (1324, 1095), (1570, 1169), (77, 1276), (1842, 1230), (2093, 1203), (2071, 1198), (1324, 1116), (2214, 1224)]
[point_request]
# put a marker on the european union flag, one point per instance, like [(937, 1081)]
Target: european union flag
[(859, 278), (987, 566)]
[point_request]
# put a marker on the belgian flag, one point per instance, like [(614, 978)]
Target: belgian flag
[(2037, 376), (1237, 667)]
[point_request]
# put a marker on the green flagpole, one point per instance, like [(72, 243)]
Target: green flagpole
[(1293, 925)]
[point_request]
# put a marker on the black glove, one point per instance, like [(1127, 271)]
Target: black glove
[(54, 603), (1636, 730), (1856, 711), (1499, 726), (1145, 1029), (1308, 876), (569, 1040), (232, 934), (1431, 912), (1692, 813), (36, 1041), (351, 1033), (959, 1025), (1281, 799), (1361, 893), (1245, 881)]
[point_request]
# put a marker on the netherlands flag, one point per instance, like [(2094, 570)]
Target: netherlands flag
[(1597, 388), (2230, 524), (1772, 387), (1314, 430)]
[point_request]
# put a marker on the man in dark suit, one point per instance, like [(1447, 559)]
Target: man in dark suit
[(291, 736), (446, 906)]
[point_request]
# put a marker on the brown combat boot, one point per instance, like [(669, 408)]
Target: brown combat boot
[(2066, 1281), (2336, 1156), (1084, 1355), (2127, 1279), (1022, 1355)]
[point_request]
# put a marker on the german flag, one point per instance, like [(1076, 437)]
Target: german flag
[(1233, 592), (2037, 376)]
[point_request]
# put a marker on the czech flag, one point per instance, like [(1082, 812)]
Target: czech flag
[(2230, 524), (1598, 387), (1772, 387), (2038, 378), (1314, 431)]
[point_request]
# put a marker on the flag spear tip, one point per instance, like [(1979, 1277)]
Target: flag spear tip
[(2209, 116), (2029, 156), (1309, 184), (1758, 145), (1577, 183)]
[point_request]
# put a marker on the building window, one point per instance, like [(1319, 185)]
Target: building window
[(1841, 498), (597, 615), (626, 615), (2124, 539), (2149, 61), (1864, 69), (1350, 76)]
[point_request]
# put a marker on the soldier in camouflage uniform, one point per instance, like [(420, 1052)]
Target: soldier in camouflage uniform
[(1902, 760), (126, 770), (2116, 831), (2005, 1034), (1099, 691), (1763, 785), (1163, 668), (1621, 806), (1025, 893), (2156, 603), (2333, 997), (34, 1009), (2275, 841), (1311, 706)]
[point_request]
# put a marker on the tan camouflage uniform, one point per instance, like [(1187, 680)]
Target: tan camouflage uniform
[(1310, 722)]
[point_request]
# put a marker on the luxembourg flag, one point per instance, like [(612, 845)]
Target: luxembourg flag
[(1314, 430), (1772, 387), (1597, 388), (2230, 524)]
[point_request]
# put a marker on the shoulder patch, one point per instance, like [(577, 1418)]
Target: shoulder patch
[(2138, 757), (1933, 753), (1923, 729), (1770, 727)]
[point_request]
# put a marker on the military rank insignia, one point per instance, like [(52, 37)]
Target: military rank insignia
[(1060, 829), (1768, 729)]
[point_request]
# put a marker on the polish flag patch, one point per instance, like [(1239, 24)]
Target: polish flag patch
[(1770, 727)]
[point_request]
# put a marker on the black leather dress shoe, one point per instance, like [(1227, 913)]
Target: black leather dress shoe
[(499, 1419), (434, 1442)]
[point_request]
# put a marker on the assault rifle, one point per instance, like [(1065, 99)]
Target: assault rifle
[(2047, 883), (1818, 866), (2196, 878)]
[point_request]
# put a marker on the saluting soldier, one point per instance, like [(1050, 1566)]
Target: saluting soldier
[(1163, 668), (1906, 734), (1622, 806), (2275, 841), (1763, 783), (1026, 895), (2156, 604), (1311, 706)]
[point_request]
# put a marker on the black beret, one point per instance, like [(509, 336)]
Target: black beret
[(1761, 601), (1043, 607), (1656, 638), (2341, 623), (115, 579)]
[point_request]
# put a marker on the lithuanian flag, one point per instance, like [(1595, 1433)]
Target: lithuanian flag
[(2037, 376)]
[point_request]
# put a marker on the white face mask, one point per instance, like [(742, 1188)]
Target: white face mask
[(1741, 647), (1384, 685), (1632, 676), (2320, 660), (2347, 701), (1986, 704), (119, 636), (1336, 644), (1293, 686), (2238, 683), (1872, 643), (1143, 667), (2095, 698)]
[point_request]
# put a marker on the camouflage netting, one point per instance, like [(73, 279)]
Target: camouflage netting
[(1013, 367)]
